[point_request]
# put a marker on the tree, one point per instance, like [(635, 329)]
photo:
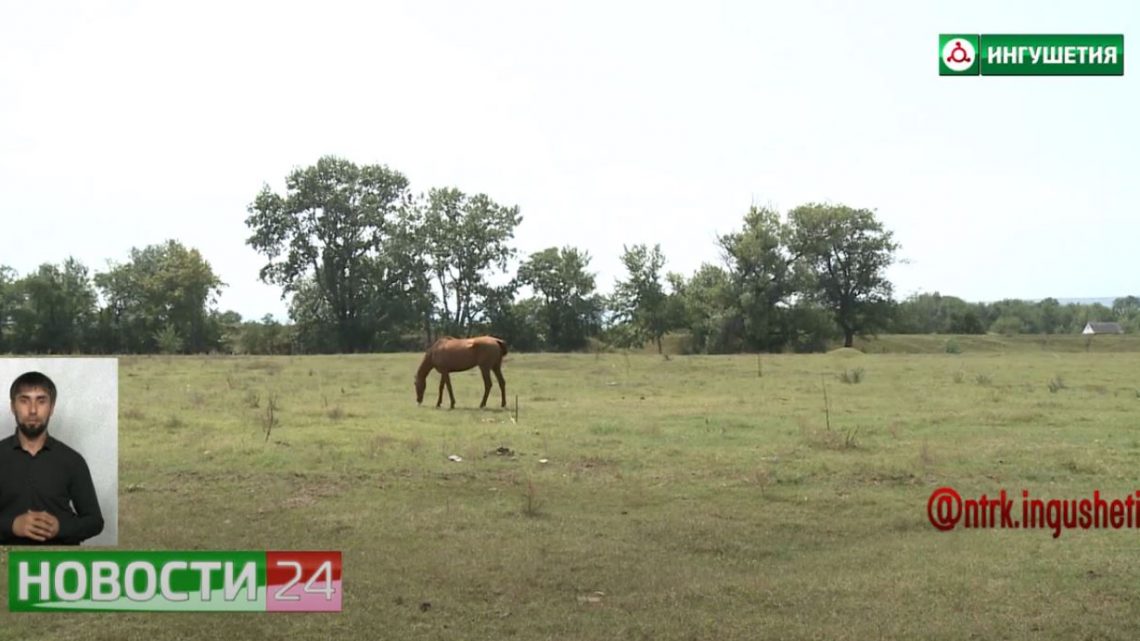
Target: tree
[(519, 322), (1049, 313), (966, 321), (160, 286), (640, 302), (465, 238), (571, 311), (266, 336), (1028, 316), (347, 232), (845, 253), (706, 308), (813, 327), (1084, 314), (9, 300), (1008, 325), (228, 325), (1126, 311), (315, 322), (53, 309), (762, 276), (936, 314), (168, 340)]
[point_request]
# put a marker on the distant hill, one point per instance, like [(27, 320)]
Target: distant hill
[(967, 344), (1107, 302)]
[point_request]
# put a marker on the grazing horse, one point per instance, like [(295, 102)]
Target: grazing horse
[(450, 354)]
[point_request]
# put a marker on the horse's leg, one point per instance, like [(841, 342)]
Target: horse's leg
[(450, 392), (486, 386), (502, 384), (442, 378)]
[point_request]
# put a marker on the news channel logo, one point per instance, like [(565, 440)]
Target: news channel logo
[(965, 54), (174, 581)]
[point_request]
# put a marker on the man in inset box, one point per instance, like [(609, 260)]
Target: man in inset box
[(41, 478)]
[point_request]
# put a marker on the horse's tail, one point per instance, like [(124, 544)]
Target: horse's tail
[(502, 346)]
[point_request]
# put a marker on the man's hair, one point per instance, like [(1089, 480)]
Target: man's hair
[(32, 379)]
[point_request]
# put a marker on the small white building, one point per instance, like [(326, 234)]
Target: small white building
[(1103, 328)]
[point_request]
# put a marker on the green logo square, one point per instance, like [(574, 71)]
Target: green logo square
[(958, 55)]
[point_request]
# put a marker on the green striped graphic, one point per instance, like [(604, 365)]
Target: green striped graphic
[(106, 581)]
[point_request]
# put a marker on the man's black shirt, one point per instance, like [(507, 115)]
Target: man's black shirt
[(51, 481)]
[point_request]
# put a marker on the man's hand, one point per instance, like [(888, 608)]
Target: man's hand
[(37, 526), (48, 519)]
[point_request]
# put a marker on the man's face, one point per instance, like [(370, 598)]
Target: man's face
[(32, 409)]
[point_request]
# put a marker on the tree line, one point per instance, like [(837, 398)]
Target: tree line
[(368, 265)]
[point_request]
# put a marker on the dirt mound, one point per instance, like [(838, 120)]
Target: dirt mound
[(845, 351)]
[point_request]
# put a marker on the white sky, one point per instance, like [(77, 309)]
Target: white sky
[(126, 123)]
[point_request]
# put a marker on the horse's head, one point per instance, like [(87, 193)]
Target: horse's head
[(421, 384)]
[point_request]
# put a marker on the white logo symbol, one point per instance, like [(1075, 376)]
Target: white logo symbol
[(958, 54)]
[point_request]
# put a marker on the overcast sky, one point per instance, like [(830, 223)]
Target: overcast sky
[(123, 124)]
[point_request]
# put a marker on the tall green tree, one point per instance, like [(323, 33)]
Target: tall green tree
[(707, 309), (54, 309), (8, 303), (315, 322), (520, 322), (161, 286), (571, 310), (467, 237), (1050, 315), (844, 253), (1126, 311), (640, 302), (346, 231), (764, 282)]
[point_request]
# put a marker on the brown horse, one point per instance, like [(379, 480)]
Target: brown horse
[(449, 354)]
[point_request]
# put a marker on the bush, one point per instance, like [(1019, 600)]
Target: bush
[(1055, 384), (169, 342), (1007, 325)]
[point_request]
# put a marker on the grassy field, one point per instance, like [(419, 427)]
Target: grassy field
[(682, 498)]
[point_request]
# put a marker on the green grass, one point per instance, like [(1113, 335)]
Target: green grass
[(1054, 343), (686, 498)]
